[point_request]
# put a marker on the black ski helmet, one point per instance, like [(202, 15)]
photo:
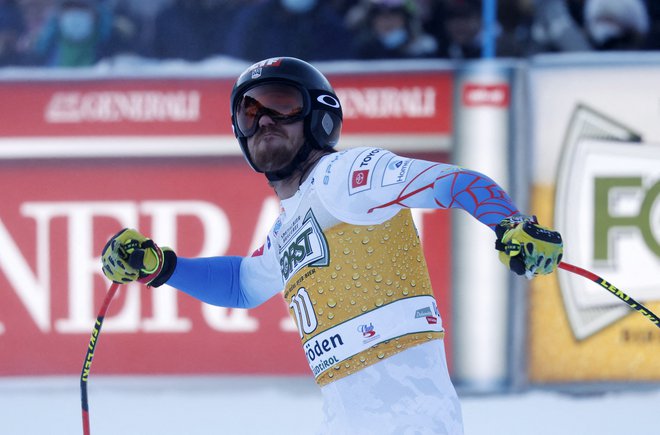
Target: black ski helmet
[(322, 109)]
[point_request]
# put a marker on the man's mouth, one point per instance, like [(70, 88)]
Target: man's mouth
[(268, 133)]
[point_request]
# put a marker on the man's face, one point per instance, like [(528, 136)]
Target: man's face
[(274, 145), (271, 117)]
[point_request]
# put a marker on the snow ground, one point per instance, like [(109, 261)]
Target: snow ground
[(286, 405)]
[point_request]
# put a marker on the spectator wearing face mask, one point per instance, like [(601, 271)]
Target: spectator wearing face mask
[(76, 35), (307, 29), (391, 29)]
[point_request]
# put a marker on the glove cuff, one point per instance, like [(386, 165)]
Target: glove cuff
[(508, 223), (169, 261)]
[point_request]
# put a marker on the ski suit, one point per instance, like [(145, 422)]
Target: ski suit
[(346, 256)]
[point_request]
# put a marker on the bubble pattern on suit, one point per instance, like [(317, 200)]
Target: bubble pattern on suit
[(346, 254), (371, 267)]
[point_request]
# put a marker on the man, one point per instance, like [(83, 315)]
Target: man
[(345, 253), (284, 26), (78, 34)]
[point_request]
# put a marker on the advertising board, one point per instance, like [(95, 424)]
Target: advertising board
[(82, 159), (597, 169)]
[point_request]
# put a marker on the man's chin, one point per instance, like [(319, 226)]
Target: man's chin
[(270, 156), (271, 165)]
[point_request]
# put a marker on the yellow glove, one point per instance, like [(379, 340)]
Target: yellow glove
[(129, 256), (528, 248)]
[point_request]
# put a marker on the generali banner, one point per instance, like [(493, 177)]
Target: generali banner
[(58, 212), (405, 103), (597, 180)]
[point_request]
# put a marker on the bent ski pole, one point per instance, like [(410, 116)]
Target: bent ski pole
[(612, 289), (87, 364)]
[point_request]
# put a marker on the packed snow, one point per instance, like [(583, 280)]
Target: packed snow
[(287, 405)]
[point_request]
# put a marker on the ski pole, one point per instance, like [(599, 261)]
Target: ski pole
[(612, 289), (87, 364)]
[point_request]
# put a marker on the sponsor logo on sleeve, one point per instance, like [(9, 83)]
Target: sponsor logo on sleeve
[(396, 171), (278, 226), (362, 169), (359, 179), (260, 250), (328, 169)]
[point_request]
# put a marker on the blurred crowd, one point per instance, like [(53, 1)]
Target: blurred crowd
[(73, 33)]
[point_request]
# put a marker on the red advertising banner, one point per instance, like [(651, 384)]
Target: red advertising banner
[(402, 102), (57, 214), (54, 222), (115, 108)]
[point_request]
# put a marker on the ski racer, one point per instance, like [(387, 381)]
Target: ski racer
[(345, 254)]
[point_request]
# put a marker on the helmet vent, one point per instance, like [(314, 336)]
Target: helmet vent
[(327, 123)]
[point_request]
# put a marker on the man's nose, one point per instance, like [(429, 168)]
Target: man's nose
[(265, 120)]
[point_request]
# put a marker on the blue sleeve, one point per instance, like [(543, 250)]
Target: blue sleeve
[(214, 280), (424, 184), (475, 193)]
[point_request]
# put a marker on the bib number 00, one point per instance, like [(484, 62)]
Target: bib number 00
[(301, 304)]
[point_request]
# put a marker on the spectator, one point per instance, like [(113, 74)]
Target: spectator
[(515, 20), (341, 6), (35, 14), (432, 17), (192, 29), (76, 35), (555, 29), (576, 9), (392, 29), (309, 29), (127, 36), (11, 28), (653, 38), (616, 24), (463, 28)]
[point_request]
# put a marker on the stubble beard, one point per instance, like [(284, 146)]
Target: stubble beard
[(274, 152)]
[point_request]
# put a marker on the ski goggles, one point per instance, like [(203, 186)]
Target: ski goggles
[(282, 103)]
